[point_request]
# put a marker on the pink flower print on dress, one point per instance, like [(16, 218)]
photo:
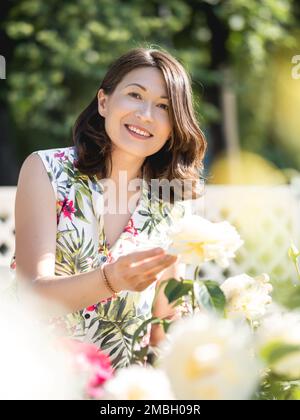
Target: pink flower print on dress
[(91, 308), (61, 156), (105, 300), (130, 228), (67, 208)]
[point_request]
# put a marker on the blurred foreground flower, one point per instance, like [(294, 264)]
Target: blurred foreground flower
[(31, 366), (138, 383), (90, 364), (246, 296), (198, 240), (279, 343), (206, 357)]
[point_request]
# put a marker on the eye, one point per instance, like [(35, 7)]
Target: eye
[(134, 93), (166, 106)]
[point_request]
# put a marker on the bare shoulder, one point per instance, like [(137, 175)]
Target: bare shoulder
[(35, 220), (31, 168)]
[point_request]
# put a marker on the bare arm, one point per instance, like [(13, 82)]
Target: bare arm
[(35, 225)]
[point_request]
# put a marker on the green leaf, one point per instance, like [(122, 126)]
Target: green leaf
[(144, 213), (209, 295), (275, 351), (176, 289), (166, 324)]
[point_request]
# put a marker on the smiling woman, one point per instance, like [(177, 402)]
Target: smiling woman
[(138, 114), (150, 91), (104, 267)]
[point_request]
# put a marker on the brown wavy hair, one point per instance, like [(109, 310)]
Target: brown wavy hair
[(181, 157)]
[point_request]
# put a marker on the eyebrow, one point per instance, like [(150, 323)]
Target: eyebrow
[(143, 88)]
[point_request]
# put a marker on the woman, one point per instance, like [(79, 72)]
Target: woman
[(93, 260)]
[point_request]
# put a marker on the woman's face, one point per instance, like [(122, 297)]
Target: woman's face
[(138, 102)]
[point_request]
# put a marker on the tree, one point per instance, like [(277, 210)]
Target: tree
[(60, 52)]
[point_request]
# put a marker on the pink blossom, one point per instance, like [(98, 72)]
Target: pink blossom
[(87, 357), (61, 156), (67, 208), (91, 308), (130, 228)]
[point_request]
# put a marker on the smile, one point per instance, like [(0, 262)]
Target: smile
[(138, 133)]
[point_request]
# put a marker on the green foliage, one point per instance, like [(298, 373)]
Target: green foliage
[(61, 52), (274, 389), (275, 351), (255, 27), (210, 296), (175, 289)]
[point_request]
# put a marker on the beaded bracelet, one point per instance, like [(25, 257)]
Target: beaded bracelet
[(107, 283)]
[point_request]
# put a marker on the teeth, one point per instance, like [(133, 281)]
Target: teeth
[(136, 130)]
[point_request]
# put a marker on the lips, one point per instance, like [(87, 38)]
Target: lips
[(139, 128)]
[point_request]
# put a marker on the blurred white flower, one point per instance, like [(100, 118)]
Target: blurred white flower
[(281, 329), (32, 365), (246, 296), (198, 240), (206, 357), (138, 383)]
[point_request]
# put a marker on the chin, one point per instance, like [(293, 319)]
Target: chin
[(132, 150)]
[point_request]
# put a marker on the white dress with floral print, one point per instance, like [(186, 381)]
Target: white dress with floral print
[(81, 246)]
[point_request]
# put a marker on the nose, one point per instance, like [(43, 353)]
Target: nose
[(144, 112)]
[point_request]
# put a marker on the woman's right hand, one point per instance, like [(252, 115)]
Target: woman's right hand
[(137, 270)]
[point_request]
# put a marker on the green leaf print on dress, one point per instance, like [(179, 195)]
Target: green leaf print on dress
[(114, 325), (73, 253), (81, 246)]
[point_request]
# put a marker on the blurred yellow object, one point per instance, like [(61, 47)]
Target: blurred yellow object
[(245, 168), (286, 102)]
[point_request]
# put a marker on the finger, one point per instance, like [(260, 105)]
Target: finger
[(150, 266), (153, 265), (157, 270), (136, 257), (153, 260)]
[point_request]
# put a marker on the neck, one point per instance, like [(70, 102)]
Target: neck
[(125, 162)]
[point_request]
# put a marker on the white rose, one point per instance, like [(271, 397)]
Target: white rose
[(247, 296), (282, 328), (138, 383), (206, 357), (198, 240)]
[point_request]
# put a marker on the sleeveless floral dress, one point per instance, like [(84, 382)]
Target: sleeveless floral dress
[(81, 246)]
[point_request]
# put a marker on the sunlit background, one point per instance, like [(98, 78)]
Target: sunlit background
[(238, 52), (244, 60)]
